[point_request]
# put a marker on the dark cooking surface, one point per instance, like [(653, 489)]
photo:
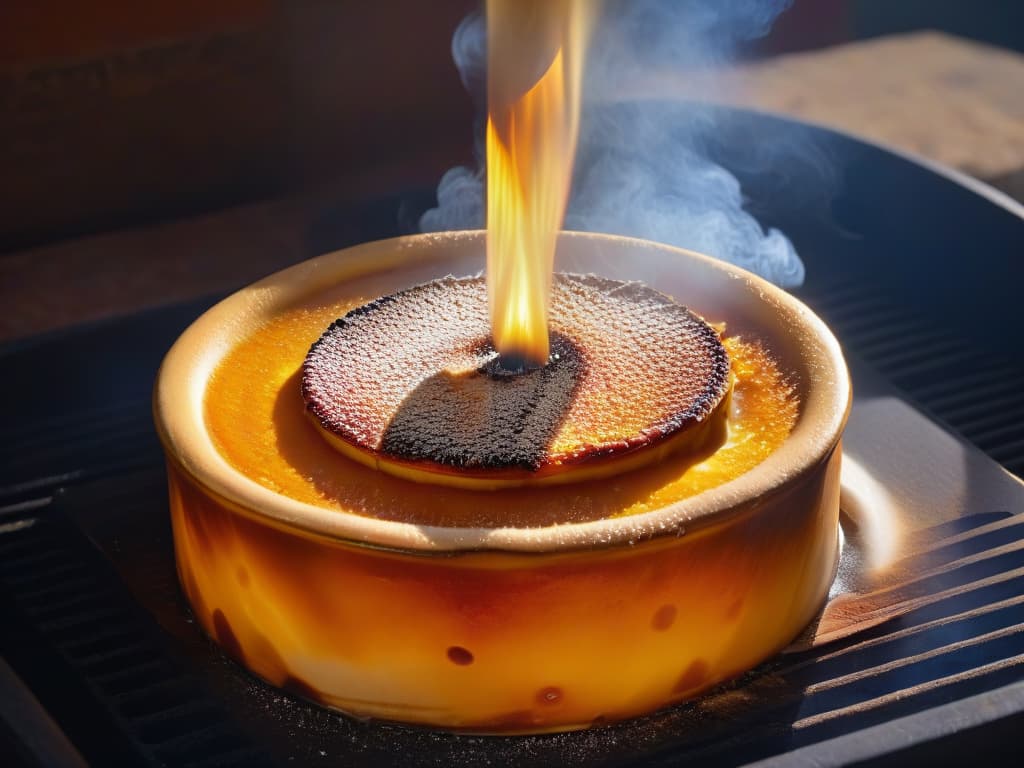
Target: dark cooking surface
[(916, 273)]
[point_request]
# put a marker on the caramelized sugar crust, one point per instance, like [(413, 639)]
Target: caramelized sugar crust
[(411, 384), (256, 417)]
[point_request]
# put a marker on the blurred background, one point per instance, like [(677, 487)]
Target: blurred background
[(138, 139)]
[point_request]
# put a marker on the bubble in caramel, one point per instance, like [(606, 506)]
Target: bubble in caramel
[(411, 384)]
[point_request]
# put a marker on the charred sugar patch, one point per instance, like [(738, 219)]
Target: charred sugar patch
[(486, 419)]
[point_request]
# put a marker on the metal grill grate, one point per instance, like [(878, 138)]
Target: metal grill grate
[(76, 447), (97, 662), (976, 393), (78, 406)]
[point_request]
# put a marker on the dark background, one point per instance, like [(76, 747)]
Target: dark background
[(115, 114), (812, 24)]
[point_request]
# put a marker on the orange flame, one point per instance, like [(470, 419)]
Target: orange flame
[(535, 63)]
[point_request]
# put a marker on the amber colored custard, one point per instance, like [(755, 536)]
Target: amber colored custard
[(255, 414)]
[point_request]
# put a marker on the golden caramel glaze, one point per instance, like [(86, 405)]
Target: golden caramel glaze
[(410, 384), (256, 417), (506, 642)]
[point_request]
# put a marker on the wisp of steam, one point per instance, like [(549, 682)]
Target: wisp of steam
[(640, 170)]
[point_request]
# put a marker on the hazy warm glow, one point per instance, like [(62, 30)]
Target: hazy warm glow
[(535, 57)]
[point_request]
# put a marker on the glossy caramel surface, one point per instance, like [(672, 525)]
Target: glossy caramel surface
[(255, 415)]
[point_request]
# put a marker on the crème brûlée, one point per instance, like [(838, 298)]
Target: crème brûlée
[(515, 609)]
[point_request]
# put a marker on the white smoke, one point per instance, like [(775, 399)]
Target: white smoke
[(639, 168)]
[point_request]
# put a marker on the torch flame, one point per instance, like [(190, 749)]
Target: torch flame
[(535, 64)]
